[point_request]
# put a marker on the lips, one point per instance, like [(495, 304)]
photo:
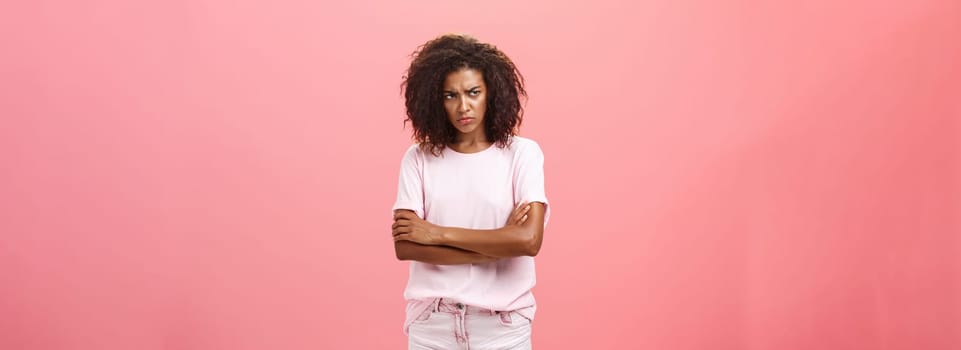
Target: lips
[(465, 121)]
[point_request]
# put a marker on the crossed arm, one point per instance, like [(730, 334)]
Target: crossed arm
[(419, 240)]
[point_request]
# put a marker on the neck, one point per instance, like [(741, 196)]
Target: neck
[(470, 143), (474, 138)]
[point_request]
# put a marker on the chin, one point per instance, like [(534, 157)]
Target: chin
[(466, 129)]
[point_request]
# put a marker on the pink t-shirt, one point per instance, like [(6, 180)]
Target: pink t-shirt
[(475, 191)]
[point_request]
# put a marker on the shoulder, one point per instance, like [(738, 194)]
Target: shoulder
[(413, 149), (525, 146), (414, 154)]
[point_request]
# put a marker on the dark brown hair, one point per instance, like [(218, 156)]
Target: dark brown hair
[(423, 90)]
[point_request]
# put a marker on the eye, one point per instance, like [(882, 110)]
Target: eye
[(448, 96), (475, 92)]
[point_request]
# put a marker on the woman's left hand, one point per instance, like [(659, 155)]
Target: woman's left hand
[(410, 227)]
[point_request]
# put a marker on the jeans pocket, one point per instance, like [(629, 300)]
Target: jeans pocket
[(512, 319), (504, 317), (424, 316), (523, 319)]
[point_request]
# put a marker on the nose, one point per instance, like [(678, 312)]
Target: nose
[(464, 106)]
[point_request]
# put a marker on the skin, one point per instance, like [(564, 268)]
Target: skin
[(465, 99)]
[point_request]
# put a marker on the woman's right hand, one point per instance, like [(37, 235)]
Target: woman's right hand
[(519, 215)]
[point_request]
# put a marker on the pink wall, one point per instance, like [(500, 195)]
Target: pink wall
[(739, 175)]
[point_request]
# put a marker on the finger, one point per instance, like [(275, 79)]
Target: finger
[(403, 214), (523, 219), (522, 213), (518, 212), (401, 230), (405, 237), (515, 215), (520, 206), (401, 223), (525, 210)]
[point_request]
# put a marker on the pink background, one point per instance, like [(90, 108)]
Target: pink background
[(737, 175)]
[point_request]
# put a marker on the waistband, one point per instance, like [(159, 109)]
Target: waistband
[(454, 306)]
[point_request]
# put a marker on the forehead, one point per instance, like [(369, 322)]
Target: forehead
[(463, 79)]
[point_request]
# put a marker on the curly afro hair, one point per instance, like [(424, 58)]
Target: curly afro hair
[(423, 90)]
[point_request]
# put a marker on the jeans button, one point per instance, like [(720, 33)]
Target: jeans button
[(460, 306)]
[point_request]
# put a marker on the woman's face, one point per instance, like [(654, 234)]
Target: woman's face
[(465, 99)]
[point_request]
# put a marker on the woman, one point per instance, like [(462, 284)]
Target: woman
[(471, 208)]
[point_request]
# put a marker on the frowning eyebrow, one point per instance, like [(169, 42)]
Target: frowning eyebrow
[(471, 89)]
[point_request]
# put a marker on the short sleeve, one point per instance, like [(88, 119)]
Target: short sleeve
[(410, 187), (529, 177)]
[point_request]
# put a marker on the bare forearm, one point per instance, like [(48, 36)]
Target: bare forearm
[(509, 241), (503, 242), (437, 254)]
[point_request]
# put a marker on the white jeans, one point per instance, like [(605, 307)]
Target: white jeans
[(451, 325)]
